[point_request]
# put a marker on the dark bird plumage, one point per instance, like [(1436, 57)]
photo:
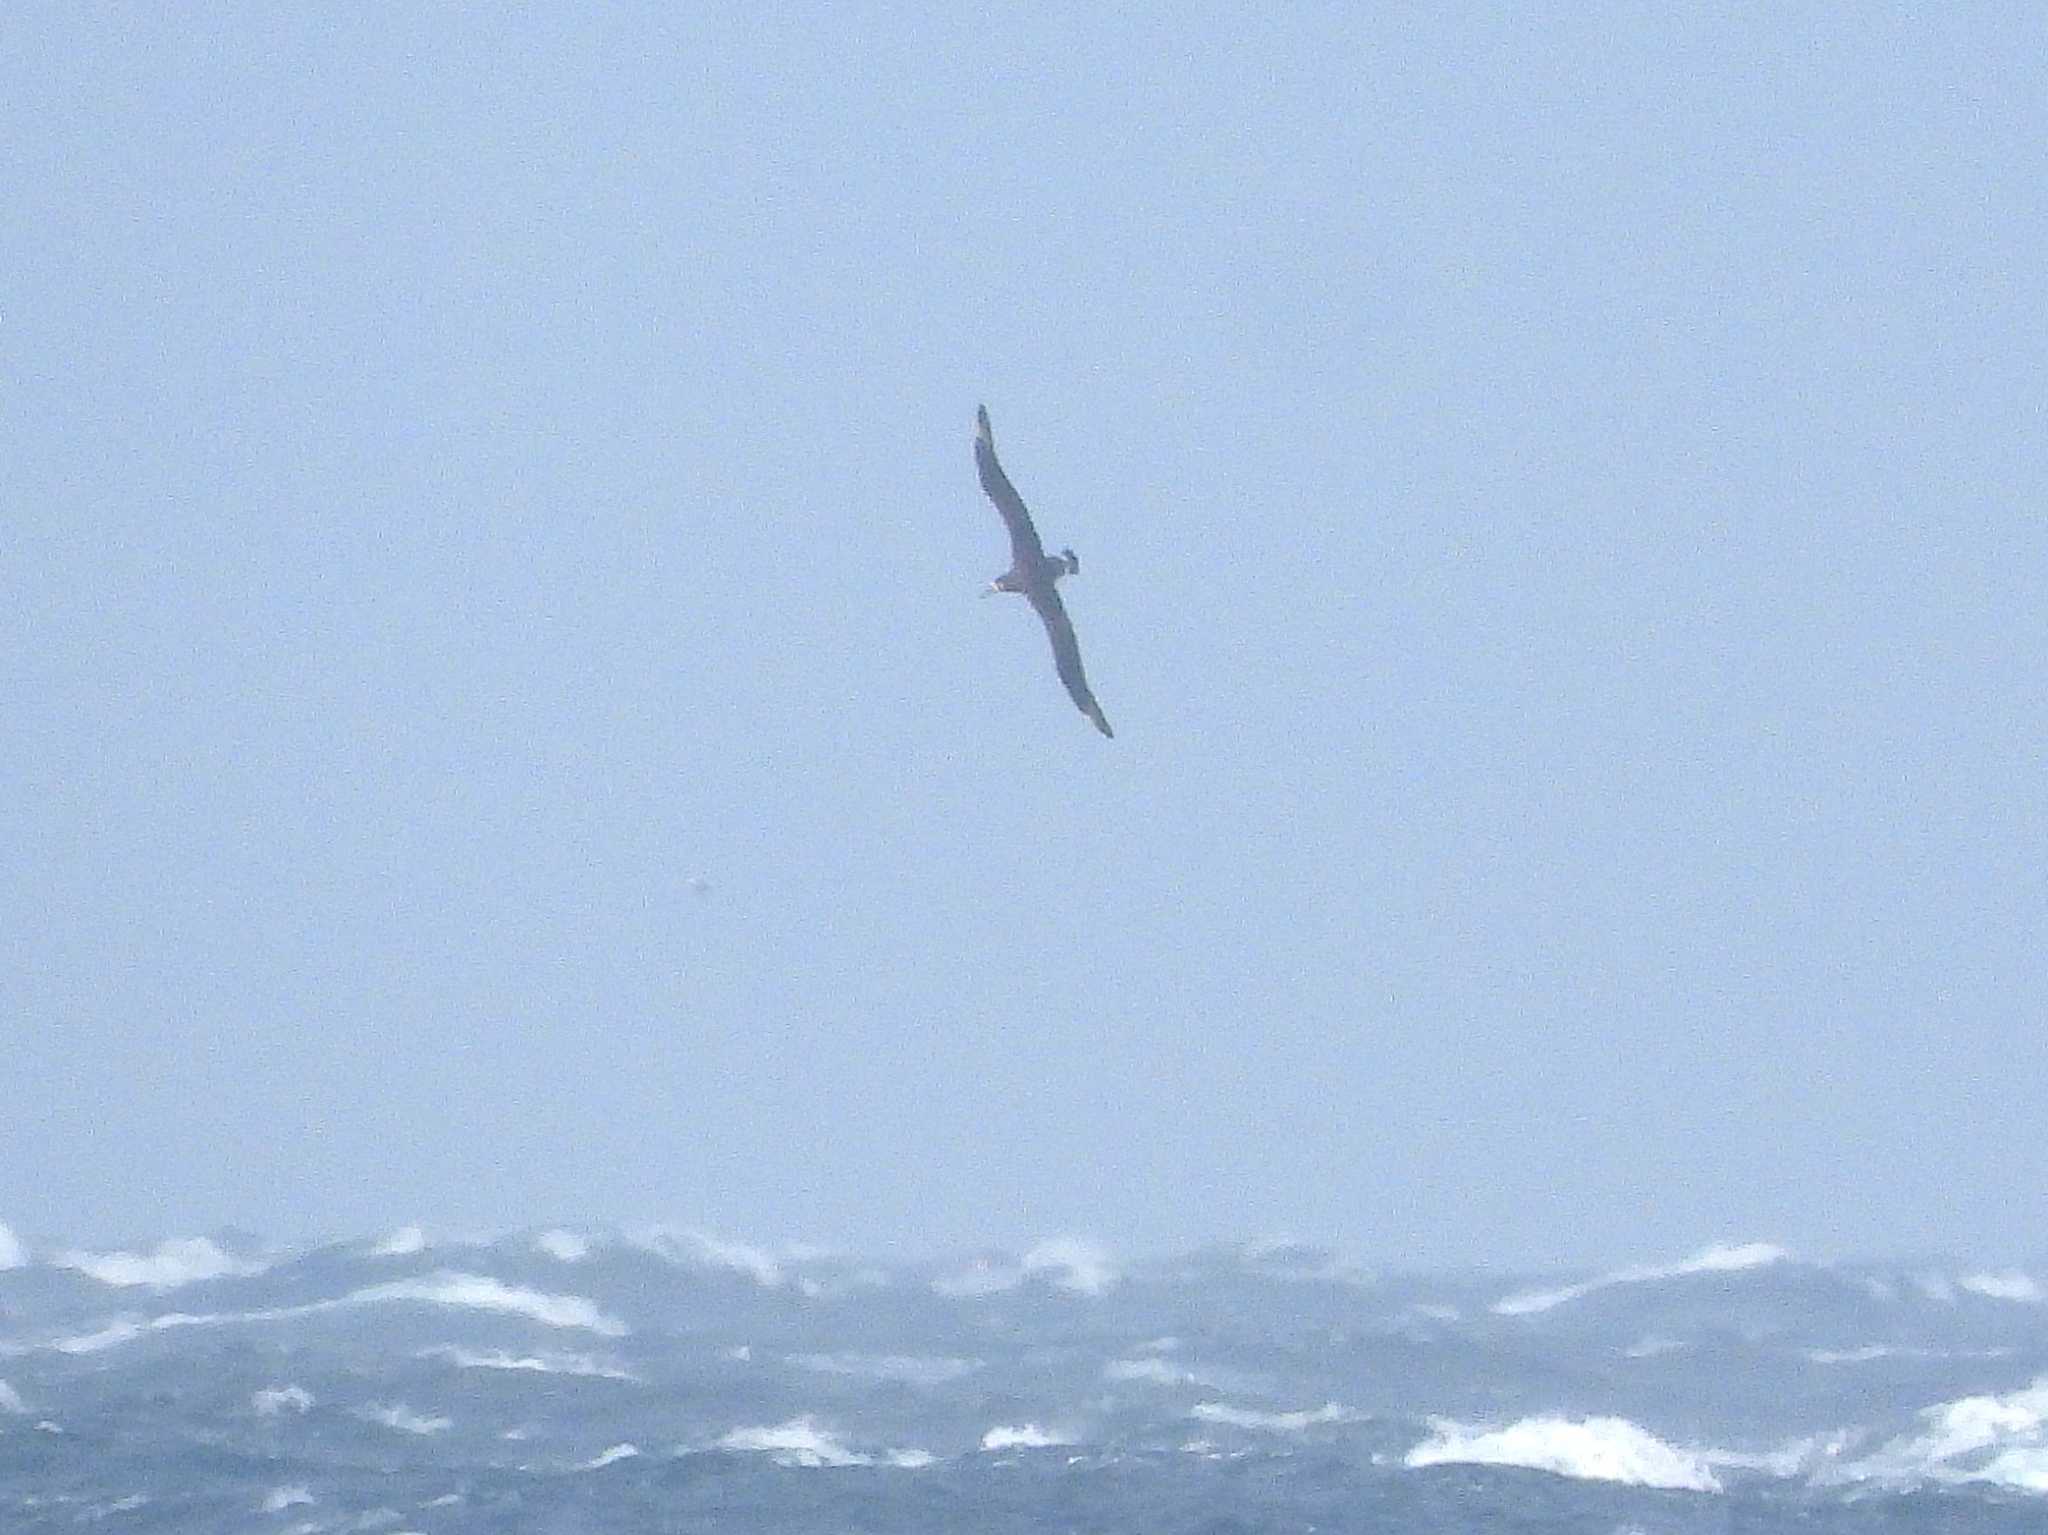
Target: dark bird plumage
[(1034, 573)]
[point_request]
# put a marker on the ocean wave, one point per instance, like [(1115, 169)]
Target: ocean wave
[(1022, 1436), (803, 1441), (1270, 1422), (1990, 1438), (611, 1457), (402, 1418), (539, 1364), (911, 1369), (1718, 1259), (982, 1276), (563, 1246), (402, 1243), (478, 1292), (273, 1400), (698, 1249), (12, 1254), (2011, 1285), (1074, 1264), (1590, 1449), (294, 1495), (178, 1261)]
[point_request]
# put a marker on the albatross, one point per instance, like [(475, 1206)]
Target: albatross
[(1033, 572)]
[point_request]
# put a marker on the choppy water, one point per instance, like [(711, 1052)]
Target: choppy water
[(663, 1380)]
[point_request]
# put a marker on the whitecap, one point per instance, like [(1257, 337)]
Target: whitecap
[(120, 1330), (611, 1457), (1074, 1264), (698, 1249), (1591, 1449), (402, 1243), (405, 1420), (272, 1400), (180, 1261), (538, 1364), (483, 1293), (12, 1254), (2011, 1285), (1722, 1258), (984, 1276), (563, 1246), (798, 1442), (1973, 1438), (11, 1402), (911, 1369), (1269, 1422), (1021, 1436), (294, 1495)]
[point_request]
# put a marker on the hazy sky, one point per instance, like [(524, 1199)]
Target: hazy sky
[(496, 725)]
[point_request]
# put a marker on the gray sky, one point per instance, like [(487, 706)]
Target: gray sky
[(1560, 505)]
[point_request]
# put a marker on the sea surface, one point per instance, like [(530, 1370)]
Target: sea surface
[(667, 1379)]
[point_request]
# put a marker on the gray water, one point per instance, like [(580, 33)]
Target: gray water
[(666, 1381)]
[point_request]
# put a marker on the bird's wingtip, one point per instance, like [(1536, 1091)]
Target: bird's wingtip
[(981, 427)]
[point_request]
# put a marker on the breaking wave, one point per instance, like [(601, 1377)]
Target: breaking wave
[(179, 1261), (1591, 1449), (1269, 1422), (1719, 1259), (2001, 1439)]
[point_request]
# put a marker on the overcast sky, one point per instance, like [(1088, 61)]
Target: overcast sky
[(496, 725)]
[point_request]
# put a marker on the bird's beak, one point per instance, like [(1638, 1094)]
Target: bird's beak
[(989, 590)]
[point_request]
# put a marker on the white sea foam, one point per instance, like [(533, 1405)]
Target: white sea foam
[(1155, 1371), (12, 1254), (2011, 1285), (1591, 1449), (1936, 1287), (563, 1246), (1022, 1436), (180, 1261), (405, 1420), (447, 1288), (611, 1457), (119, 1330), (1282, 1257), (983, 1276), (10, 1401), (1073, 1263), (697, 1249), (912, 1460), (483, 1293), (538, 1364), (278, 1499), (799, 1442), (1269, 1422), (402, 1243), (1652, 1347), (272, 1400), (911, 1369), (1719, 1259), (2000, 1439)]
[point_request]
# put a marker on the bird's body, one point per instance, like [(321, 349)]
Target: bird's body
[(1033, 573)]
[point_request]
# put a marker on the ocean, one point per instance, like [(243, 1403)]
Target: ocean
[(670, 1380)]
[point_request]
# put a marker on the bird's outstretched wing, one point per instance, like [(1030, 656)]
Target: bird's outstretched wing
[(1026, 553), (1066, 653)]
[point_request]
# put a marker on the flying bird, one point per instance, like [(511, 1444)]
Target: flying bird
[(1033, 572)]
